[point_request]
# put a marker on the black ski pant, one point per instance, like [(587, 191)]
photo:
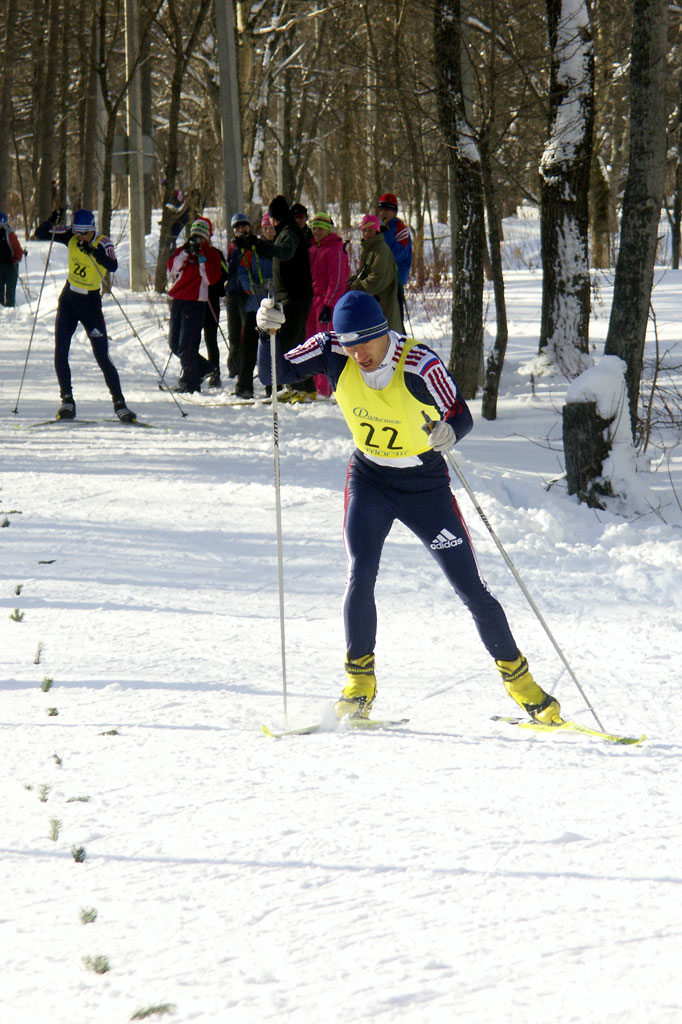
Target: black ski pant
[(420, 497), (293, 333), (248, 353), (186, 322), (9, 274), (85, 308), (236, 324), (211, 324)]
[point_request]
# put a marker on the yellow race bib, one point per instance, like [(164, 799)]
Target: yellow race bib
[(84, 271), (385, 423)]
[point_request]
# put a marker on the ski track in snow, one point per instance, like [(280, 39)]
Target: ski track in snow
[(455, 869)]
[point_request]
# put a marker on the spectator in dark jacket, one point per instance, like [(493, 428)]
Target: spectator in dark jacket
[(300, 214), (293, 283)]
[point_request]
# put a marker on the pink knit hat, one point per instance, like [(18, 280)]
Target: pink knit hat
[(371, 218)]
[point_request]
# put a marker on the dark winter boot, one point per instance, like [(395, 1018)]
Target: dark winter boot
[(125, 414), (67, 410)]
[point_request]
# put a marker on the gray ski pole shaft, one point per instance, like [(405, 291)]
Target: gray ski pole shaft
[(24, 283), (147, 352), (216, 317), (35, 318), (138, 338), (451, 460), (278, 514), (170, 356)]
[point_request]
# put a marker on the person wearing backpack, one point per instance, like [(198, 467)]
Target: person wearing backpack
[(11, 254)]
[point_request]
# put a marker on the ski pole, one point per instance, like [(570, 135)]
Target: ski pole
[(216, 317), (30, 340), (278, 505), (409, 318), (170, 356), (24, 284), (137, 336), (147, 352), (450, 458)]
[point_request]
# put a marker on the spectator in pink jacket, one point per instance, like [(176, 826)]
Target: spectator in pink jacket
[(329, 269)]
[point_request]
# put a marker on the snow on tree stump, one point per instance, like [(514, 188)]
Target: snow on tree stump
[(586, 446)]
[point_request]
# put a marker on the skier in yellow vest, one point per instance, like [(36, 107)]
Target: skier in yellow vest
[(384, 383), (91, 256)]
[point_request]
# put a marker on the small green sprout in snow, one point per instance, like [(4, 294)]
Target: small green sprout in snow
[(98, 964)]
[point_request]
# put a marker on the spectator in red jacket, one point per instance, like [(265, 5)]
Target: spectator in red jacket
[(11, 254), (192, 269)]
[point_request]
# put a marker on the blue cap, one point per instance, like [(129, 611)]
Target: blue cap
[(83, 221), (357, 318), (239, 218), (4, 219)]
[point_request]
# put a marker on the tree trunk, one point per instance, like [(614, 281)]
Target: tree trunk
[(6, 83), (497, 353), (585, 448), (676, 215), (643, 193), (564, 185), (46, 124), (467, 305), (88, 181), (600, 219), (64, 75)]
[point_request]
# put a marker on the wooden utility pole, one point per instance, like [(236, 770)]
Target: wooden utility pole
[(138, 269), (229, 108)]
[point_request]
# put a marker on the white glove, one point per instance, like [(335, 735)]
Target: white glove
[(441, 435), (270, 316)]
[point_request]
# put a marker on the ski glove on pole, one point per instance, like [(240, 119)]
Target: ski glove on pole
[(270, 316), (441, 435)]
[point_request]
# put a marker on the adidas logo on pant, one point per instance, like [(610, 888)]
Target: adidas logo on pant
[(445, 539)]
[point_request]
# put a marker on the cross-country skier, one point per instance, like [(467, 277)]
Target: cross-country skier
[(384, 383), (91, 257)]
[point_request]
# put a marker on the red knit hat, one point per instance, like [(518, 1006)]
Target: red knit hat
[(388, 202)]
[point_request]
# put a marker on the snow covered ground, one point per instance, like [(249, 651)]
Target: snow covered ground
[(459, 869)]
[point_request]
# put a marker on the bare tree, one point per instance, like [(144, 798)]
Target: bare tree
[(6, 80), (643, 193), (584, 429), (181, 24), (463, 154), (565, 179)]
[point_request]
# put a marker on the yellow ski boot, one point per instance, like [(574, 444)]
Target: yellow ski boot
[(359, 692), (521, 687)]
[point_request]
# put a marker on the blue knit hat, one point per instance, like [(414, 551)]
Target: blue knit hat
[(83, 221), (357, 318)]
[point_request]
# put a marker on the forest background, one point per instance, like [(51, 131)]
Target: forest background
[(465, 111)]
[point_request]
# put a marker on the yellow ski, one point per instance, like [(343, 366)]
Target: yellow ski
[(568, 726), (341, 725)]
